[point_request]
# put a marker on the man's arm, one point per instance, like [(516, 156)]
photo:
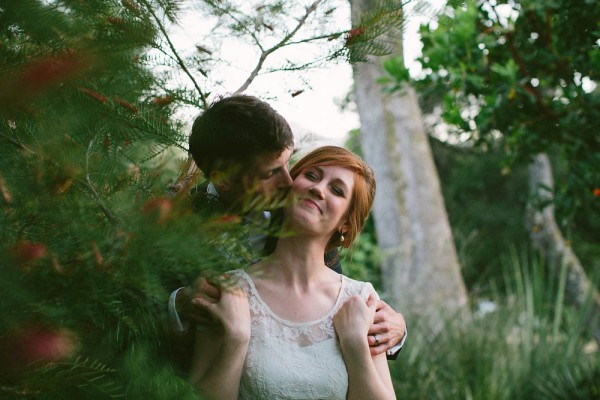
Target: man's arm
[(183, 316), (182, 311)]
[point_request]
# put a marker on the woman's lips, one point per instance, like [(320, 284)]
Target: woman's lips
[(312, 203)]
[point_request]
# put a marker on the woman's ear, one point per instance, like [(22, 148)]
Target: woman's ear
[(343, 229)]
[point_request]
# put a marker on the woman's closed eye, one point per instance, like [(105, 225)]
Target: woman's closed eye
[(312, 176), (338, 191)]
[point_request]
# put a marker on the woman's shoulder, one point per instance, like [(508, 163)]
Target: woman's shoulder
[(235, 274), (352, 287), (355, 283), (239, 277)]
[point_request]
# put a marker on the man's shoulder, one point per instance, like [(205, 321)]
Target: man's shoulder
[(205, 202), (332, 260)]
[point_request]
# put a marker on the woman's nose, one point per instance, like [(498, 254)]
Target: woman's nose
[(316, 190)]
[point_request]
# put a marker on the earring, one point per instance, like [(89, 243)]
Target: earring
[(341, 236)]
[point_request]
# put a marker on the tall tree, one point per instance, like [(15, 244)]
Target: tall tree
[(420, 267)]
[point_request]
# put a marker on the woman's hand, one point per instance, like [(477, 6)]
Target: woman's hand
[(218, 358), (188, 310), (353, 320), (368, 375), (231, 311)]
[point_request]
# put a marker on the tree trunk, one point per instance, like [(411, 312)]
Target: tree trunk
[(548, 239), (421, 273)]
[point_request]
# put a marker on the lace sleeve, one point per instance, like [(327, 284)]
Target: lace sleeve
[(367, 290)]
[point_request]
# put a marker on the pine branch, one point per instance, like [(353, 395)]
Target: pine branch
[(330, 36), (241, 24), (88, 182), (90, 377), (316, 63), (17, 143), (377, 32), (180, 61), (309, 10)]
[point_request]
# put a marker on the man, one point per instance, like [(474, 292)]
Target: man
[(243, 147)]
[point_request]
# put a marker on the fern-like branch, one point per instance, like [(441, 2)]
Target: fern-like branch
[(88, 183), (180, 61)]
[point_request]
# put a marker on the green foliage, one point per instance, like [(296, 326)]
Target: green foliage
[(90, 246), (485, 206), (530, 346), (523, 74), (362, 260), (397, 73)]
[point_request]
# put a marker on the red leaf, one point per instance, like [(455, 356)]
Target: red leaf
[(92, 94), (128, 106), (27, 253), (163, 100)]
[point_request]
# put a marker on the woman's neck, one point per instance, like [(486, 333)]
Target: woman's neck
[(298, 261)]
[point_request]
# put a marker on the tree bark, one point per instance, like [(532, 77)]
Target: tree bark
[(420, 268), (548, 239)]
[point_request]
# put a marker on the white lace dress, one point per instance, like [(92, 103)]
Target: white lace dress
[(290, 360)]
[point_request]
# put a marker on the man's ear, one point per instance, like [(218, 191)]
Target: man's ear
[(221, 181), (249, 183)]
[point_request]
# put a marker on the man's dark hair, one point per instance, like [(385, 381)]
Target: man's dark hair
[(234, 130)]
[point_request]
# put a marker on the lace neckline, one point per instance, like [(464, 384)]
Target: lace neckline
[(288, 322)]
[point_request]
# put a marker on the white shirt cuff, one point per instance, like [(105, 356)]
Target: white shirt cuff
[(397, 347), (176, 324)]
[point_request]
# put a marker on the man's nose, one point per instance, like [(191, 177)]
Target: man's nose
[(286, 179)]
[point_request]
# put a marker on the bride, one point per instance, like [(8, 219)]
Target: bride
[(289, 327)]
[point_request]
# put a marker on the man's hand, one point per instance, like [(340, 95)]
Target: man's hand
[(189, 311), (387, 330)]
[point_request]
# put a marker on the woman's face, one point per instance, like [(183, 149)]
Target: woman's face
[(321, 197)]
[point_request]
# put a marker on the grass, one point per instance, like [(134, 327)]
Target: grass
[(531, 346)]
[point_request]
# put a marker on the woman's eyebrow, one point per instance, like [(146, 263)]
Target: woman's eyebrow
[(342, 182)]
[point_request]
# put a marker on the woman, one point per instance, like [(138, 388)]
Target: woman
[(290, 327)]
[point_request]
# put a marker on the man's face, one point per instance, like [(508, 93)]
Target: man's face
[(269, 179)]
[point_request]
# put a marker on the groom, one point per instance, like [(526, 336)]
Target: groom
[(243, 147)]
